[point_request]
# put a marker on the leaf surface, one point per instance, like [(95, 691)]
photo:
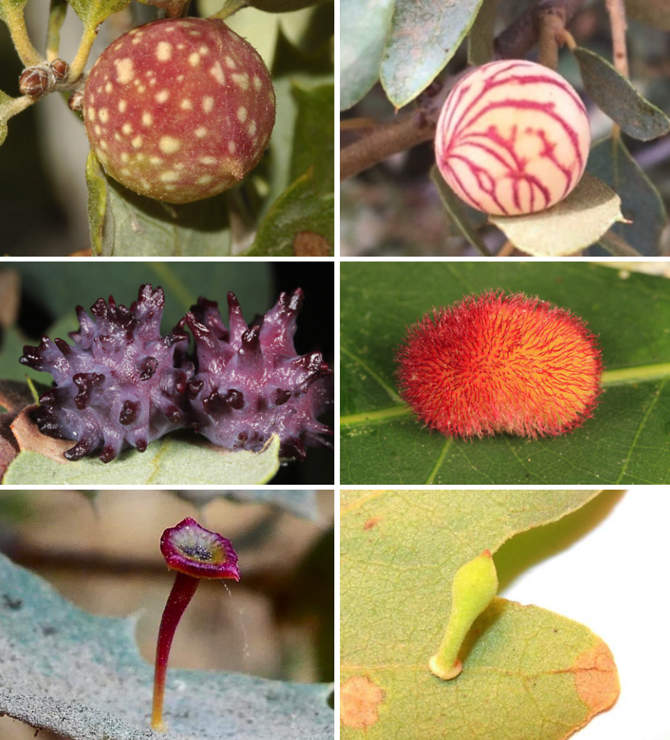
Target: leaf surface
[(177, 459), (424, 37), (626, 441), (568, 227), (93, 12), (82, 677), (641, 203), (615, 95), (526, 672)]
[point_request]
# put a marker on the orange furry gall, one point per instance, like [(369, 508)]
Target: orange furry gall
[(500, 363)]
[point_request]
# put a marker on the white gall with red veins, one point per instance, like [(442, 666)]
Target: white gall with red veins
[(512, 138), (179, 110)]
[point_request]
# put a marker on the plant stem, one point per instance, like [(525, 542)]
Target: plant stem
[(617, 245), (230, 7), (182, 592), (16, 23), (79, 63), (57, 13), (617, 12), (552, 26)]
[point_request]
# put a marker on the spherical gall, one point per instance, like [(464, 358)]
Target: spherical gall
[(179, 110), (512, 138), (500, 363)]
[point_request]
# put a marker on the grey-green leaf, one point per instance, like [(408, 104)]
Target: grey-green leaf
[(640, 201), (615, 95), (177, 459), (424, 37), (81, 676), (299, 503), (364, 28), (568, 227)]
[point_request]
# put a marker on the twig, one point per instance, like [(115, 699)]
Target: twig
[(230, 7), (551, 23), (521, 35), (617, 12), (17, 28), (617, 245)]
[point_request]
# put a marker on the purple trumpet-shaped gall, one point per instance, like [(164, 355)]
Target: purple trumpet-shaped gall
[(194, 553)]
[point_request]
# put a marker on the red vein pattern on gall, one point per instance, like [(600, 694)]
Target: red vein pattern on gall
[(513, 137), (179, 110), (499, 363)]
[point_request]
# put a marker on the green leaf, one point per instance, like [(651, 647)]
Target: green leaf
[(364, 29), (82, 677), (424, 37), (626, 442), (93, 12), (177, 459), (300, 222), (640, 201), (315, 130), (525, 670), (568, 227), (654, 12), (615, 95), (125, 224)]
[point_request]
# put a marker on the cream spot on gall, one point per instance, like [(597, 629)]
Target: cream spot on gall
[(155, 160), (194, 59), (230, 62), (180, 78), (100, 89), (141, 89), (162, 96), (194, 33), (145, 184), (217, 73), (124, 71), (252, 128), (97, 129), (147, 118), (241, 80), (139, 157), (170, 29), (201, 132), (169, 176), (203, 50), (181, 46), (163, 51), (104, 115), (208, 104), (207, 160), (103, 144), (108, 87), (117, 136), (204, 180), (125, 157), (258, 83), (127, 129), (232, 147), (91, 114), (122, 106), (136, 142), (169, 145), (186, 104), (241, 114)]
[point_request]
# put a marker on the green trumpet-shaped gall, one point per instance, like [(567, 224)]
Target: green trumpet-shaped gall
[(475, 584)]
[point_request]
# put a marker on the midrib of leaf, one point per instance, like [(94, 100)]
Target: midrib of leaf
[(440, 460), (641, 426), (610, 378)]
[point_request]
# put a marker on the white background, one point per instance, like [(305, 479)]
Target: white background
[(614, 577)]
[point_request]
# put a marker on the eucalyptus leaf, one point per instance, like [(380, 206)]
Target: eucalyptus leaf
[(482, 33), (641, 202), (82, 676), (615, 95), (526, 672), (625, 442), (424, 37), (93, 12), (177, 459), (301, 214), (315, 132), (302, 503), (364, 29), (568, 227)]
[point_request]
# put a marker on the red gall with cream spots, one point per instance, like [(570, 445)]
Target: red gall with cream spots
[(179, 110), (512, 138)]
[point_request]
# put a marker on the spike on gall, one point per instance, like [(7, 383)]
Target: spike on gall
[(499, 363)]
